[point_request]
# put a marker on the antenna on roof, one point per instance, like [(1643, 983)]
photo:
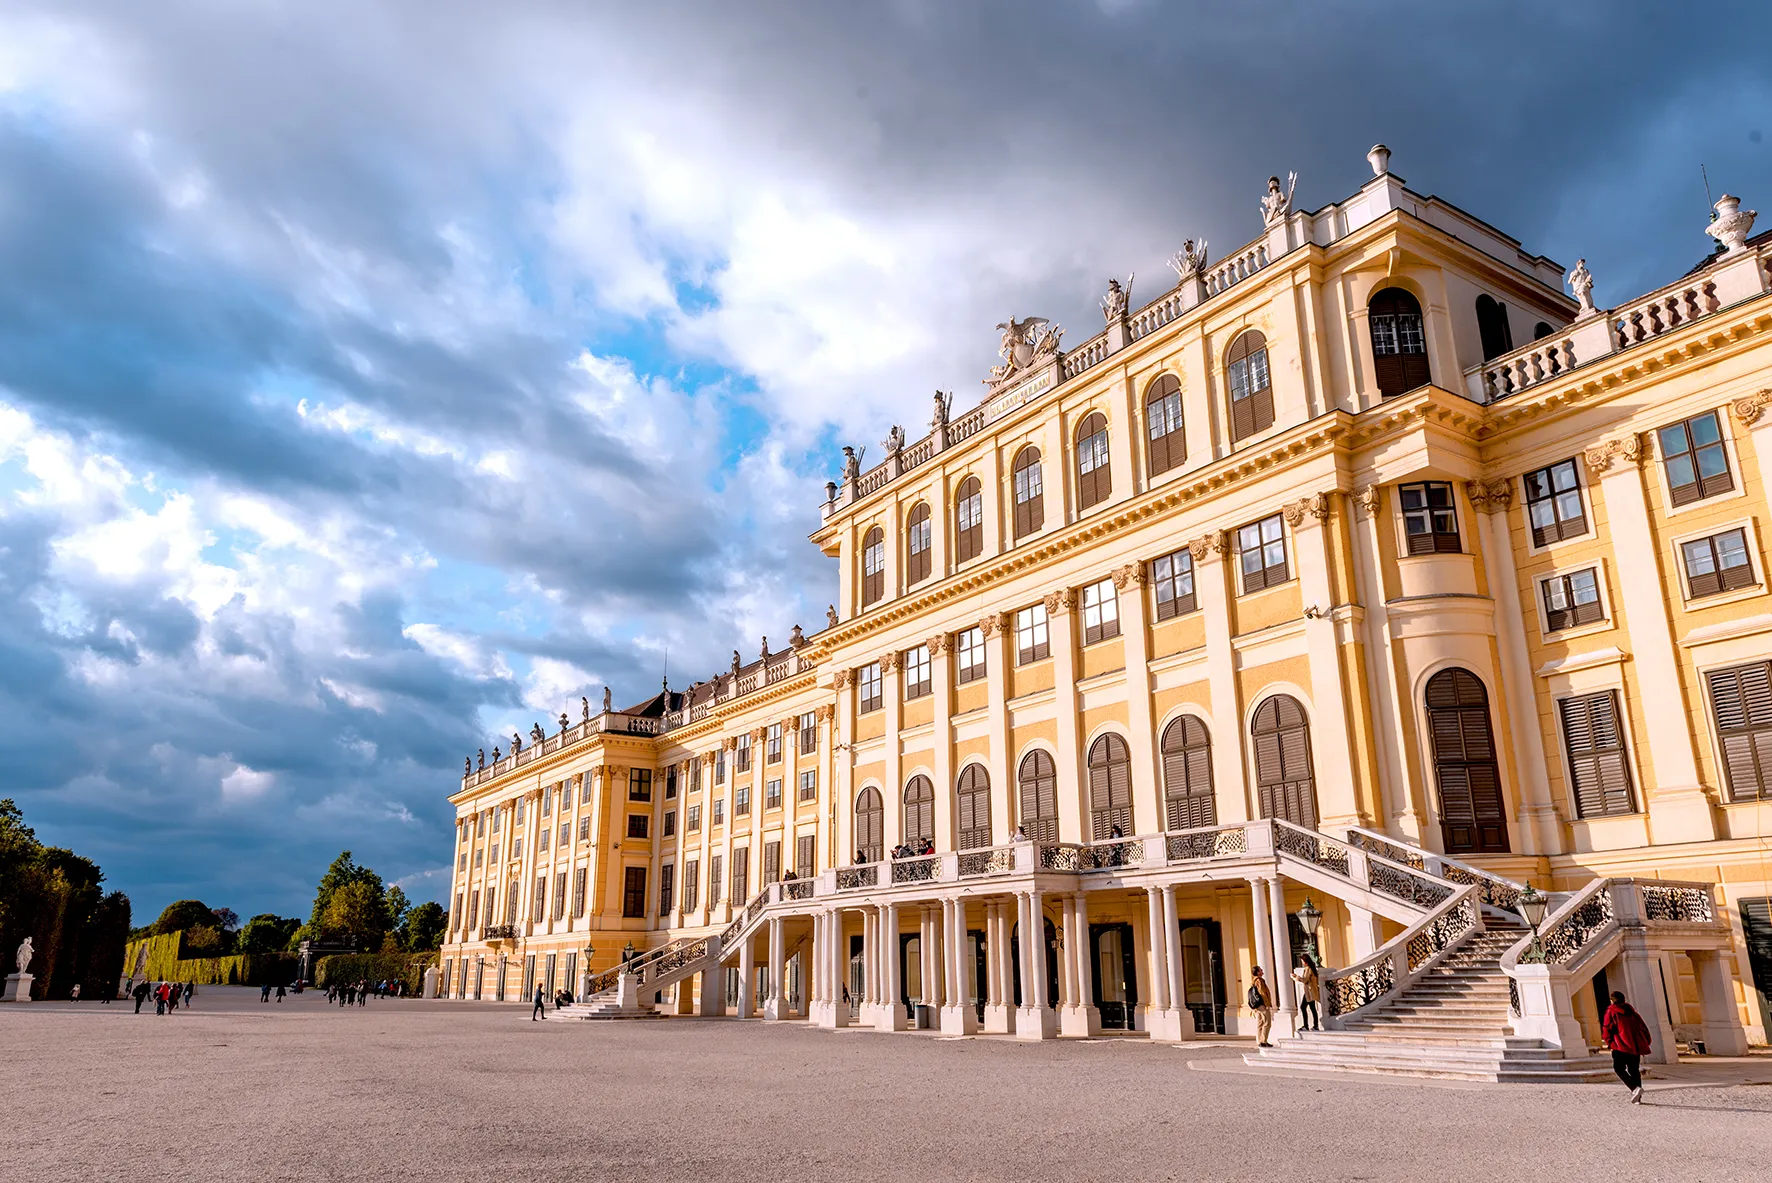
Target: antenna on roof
[(1707, 200), (666, 680)]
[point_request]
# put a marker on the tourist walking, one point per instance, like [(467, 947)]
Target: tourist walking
[(279, 992), (1310, 1018), (541, 1010), (1628, 1037), (190, 989), (1261, 1001), (264, 992), (141, 995), (74, 994)]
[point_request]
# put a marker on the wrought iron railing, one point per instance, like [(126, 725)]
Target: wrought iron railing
[(1383, 847), (992, 861), (850, 878), (1317, 848), (1678, 903), (500, 932), (1212, 843), (799, 889), (916, 870), (1116, 852), (1396, 963), (1400, 883), (1563, 937), (1058, 856)]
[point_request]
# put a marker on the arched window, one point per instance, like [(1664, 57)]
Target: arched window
[(919, 540), (1541, 330), (1030, 492), (1492, 325), (974, 830), (1039, 796), (1094, 480), (969, 520), (870, 828), (1399, 344), (1110, 787), (1283, 781), (919, 810), (873, 566), (1162, 424), (1252, 392), (1471, 815), (1187, 775)]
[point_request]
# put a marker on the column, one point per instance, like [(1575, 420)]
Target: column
[(891, 1012), (1035, 1018), (1722, 1032), (870, 973), (957, 1015), (1081, 1016), (997, 1011), (934, 988), (1230, 777), (1679, 807), (1002, 760), (1183, 1024), (1264, 952), (1062, 622), (1402, 805), (1282, 970), (891, 686), (747, 975), (941, 677), (1147, 795), (775, 1006), (1159, 956), (1336, 760)]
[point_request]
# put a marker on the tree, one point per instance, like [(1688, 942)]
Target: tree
[(396, 904), (357, 910), (56, 898), (227, 920), (267, 933), (423, 930), (183, 914), (342, 872)]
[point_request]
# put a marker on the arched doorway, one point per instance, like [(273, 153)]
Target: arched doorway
[(1038, 777), (1472, 819), (870, 828), (1284, 784), (1187, 775), (1110, 787)]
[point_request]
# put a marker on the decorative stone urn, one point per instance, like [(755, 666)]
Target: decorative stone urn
[(1732, 224)]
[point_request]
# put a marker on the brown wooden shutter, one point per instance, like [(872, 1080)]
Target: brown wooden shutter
[(1039, 797), (870, 825), (1169, 449), (1595, 745), (1469, 781), (741, 875), (968, 541), (1110, 786), (1741, 699), (1261, 411), (920, 561), (974, 809), (806, 855), (1243, 418), (919, 809)]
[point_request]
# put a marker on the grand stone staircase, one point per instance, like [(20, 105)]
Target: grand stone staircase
[(1452, 1022)]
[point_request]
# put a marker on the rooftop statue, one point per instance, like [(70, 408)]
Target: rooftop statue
[(852, 463), (894, 441), (1190, 260), (585, 705), (798, 638), (536, 734), (1024, 342), (765, 651), (943, 403), (483, 759), (1113, 305), (830, 615), (608, 700), (1277, 203), (1581, 283)]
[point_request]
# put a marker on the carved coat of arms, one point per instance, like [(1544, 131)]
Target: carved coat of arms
[(1024, 345)]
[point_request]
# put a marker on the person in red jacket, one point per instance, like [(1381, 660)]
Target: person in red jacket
[(1628, 1037)]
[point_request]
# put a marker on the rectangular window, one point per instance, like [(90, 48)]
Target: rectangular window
[(969, 654), (578, 892), (538, 901), (516, 848), (586, 787), (1101, 612), (1173, 578), (808, 733), (720, 812), (1572, 599), (477, 857), (511, 902), (691, 884), (670, 782), (498, 815), (639, 784), (1719, 563), (1261, 553), (1430, 521), (461, 864), (520, 803), (772, 862), (741, 875), (720, 766), (560, 896), (741, 801), (969, 518), (455, 917), (772, 744), (480, 824), (473, 911), (741, 755), (638, 825), (1599, 771), (695, 774), (1741, 702), (633, 894), (809, 785), (584, 828), (919, 537), (670, 823), (870, 689), (565, 834), (493, 856), (1696, 464), (667, 882), (1554, 508), (541, 838), (806, 855), (1032, 640), (714, 880), (772, 794), (692, 819), (916, 672)]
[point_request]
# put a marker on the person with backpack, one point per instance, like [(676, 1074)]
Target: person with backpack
[(1261, 1001), (1628, 1037)]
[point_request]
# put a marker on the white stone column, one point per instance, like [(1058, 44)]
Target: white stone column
[(891, 1012), (1213, 585), (1159, 954), (775, 1007), (1334, 757), (957, 1014), (1073, 824), (934, 965), (1282, 971), (1264, 943), (1183, 1025), (1035, 1018), (1080, 1015), (1147, 793), (1679, 808), (998, 1011), (1721, 1027), (747, 975)]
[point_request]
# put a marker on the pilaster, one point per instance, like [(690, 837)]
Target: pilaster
[(1230, 773), (1002, 760), (1134, 608), (1062, 622), (941, 692), (1335, 756)]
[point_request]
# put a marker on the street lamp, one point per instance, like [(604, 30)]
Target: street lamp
[(1309, 917), (1532, 906), (627, 954)]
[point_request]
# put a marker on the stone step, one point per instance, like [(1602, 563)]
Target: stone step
[(1433, 1062)]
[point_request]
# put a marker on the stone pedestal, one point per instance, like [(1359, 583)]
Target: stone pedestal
[(431, 982), (998, 1019), (959, 1020), (1079, 1020), (17, 988), (1036, 1022)]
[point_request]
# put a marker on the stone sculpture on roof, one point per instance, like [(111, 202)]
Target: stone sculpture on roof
[(894, 441), (943, 403), (1024, 344), (1190, 259), (1276, 203), (1113, 304), (1581, 283), (1732, 224)]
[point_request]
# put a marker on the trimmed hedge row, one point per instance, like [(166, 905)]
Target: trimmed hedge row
[(375, 967), (163, 964)]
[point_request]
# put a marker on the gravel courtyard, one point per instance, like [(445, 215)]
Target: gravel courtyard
[(235, 1090)]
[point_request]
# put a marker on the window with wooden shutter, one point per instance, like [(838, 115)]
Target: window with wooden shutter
[(1285, 785), (1094, 478), (1741, 701), (873, 566), (771, 862), (1101, 612), (1430, 520), (560, 895), (1572, 599), (1399, 342), (919, 810), (716, 864), (538, 902), (1172, 583), (1030, 492), (1716, 564), (1593, 739), (1038, 778), (633, 896), (1252, 392), (1165, 446), (1110, 787), (974, 806), (741, 875), (919, 544), (969, 520), (691, 884), (1261, 554), (1187, 775), (667, 886), (806, 856), (1472, 818), (808, 733), (1554, 509), (1492, 327), (1693, 456), (870, 828)]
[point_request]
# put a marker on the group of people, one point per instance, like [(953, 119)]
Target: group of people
[(264, 992), (562, 997), (908, 850), (168, 996), (359, 992)]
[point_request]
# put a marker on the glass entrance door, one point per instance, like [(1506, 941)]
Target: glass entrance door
[(1202, 970)]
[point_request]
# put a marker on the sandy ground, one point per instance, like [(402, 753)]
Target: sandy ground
[(443, 1091)]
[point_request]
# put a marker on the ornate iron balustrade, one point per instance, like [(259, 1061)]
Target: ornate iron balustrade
[(1117, 852), (1372, 844), (799, 889), (1214, 843), (1678, 903), (993, 861), (916, 870), (1564, 939), (1359, 986), (499, 932), (1059, 856), (756, 906), (1513, 996), (676, 956), (1400, 883), (1491, 889), (850, 878), (1442, 933), (1315, 848)]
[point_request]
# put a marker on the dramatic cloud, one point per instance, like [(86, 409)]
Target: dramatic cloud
[(376, 379)]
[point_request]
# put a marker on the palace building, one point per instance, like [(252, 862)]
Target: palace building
[(1361, 597)]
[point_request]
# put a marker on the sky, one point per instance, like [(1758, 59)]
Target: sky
[(378, 379)]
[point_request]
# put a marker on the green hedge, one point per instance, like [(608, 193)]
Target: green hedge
[(375, 967), (163, 964)]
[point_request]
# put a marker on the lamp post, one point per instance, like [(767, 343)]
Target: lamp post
[(1309, 917), (627, 954), (1532, 906)]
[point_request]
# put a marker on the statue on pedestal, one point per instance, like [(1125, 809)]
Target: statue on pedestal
[(24, 955), (1276, 203)]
